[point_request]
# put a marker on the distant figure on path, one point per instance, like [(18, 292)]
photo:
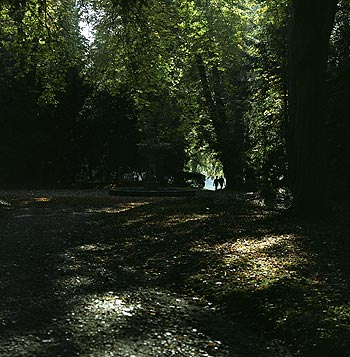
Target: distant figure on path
[(216, 183), (221, 182)]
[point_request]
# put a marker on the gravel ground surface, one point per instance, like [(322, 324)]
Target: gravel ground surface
[(76, 279)]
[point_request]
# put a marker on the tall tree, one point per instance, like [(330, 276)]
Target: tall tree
[(311, 25)]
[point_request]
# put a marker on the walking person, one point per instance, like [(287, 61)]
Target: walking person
[(221, 182), (216, 183)]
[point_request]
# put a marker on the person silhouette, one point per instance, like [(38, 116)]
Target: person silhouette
[(221, 182), (216, 183)]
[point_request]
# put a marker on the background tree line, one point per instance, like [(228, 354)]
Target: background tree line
[(254, 89)]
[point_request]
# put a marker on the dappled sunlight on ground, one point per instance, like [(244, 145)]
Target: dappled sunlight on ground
[(116, 210), (141, 316), (254, 246), (141, 219), (257, 263), (42, 199), (176, 220), (111, 304), (93, 275), (28, 343), (90, 247)]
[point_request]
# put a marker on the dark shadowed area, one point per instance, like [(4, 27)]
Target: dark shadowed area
[(220, 274)]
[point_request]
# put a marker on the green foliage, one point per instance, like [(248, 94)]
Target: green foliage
[(43, 39), (153, 53), (40, 55), (207, 77), (266, 118)]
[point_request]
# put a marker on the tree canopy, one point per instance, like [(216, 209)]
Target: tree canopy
[(242, 88)]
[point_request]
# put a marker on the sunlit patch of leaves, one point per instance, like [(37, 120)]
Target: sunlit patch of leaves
[(251, 264), (256, 264)]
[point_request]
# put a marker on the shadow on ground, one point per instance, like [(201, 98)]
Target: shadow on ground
[(91, 275)]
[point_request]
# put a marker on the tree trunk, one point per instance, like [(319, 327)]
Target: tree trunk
[(310, 29)]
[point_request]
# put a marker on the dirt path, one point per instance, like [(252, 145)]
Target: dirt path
[(86, 274)]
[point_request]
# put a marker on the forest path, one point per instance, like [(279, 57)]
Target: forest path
[(86, 274)]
